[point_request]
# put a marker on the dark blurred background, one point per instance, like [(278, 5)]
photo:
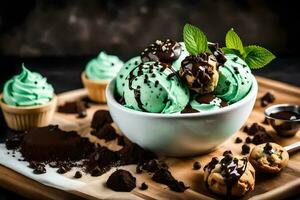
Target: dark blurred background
[(57, 38)]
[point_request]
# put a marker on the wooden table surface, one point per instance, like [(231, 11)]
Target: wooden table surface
[(267, 187)]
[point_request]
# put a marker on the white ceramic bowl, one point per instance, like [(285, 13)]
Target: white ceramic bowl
[(181, 134)]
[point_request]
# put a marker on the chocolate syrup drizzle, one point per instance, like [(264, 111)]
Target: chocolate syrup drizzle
[(198, 67), (230, 169), (207, 98), (217, 52)]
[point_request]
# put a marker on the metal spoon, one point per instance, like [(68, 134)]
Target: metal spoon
[(293, 148)]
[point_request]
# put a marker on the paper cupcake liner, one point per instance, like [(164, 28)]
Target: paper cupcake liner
[(95, 89), (24, 118)]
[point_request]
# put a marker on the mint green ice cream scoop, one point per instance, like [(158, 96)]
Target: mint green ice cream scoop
[(235, 79), (153, 87), (27, 89), (124, 72), (103, 67)]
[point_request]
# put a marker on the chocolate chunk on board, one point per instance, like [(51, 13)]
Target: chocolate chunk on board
[(121, 181)]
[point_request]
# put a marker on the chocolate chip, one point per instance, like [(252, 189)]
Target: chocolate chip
[(248, 140), (144, 186), (254, 128), (196, 165), (77, 174), (261, 137), (267, 99), (238, 140), (245, 149)]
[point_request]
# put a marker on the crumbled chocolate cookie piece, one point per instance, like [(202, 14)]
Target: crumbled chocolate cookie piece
[(14, 142), (132, 154), (267, 99), (107, 132), (100, 118), (121, 181), (164, 176), (245, 149), (78, 107), (238, 140), (39, 169), (63, 169), (121, 140), (144, 186), (196, 165)]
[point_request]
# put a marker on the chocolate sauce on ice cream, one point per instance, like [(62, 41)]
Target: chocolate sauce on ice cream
[(165, 51)]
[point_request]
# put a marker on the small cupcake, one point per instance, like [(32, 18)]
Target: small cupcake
[(98, 72), (27, 101)]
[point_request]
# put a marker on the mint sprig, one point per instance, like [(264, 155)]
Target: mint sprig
[(233, 41), (255, 56), (194, 39)]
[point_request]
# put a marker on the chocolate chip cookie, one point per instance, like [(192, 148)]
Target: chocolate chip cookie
[(229, 175), (269, 157)]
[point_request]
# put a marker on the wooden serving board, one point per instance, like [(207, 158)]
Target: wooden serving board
[(286, 184)]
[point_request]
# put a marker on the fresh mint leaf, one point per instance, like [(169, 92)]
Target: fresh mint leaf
[(231, 51), (233, 41), (257, 57), (194, 39)]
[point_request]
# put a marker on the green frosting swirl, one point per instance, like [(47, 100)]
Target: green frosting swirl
[(27, 89), (104, 67)]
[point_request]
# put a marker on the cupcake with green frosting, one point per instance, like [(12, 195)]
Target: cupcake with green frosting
[(28, 100), (98, 72)]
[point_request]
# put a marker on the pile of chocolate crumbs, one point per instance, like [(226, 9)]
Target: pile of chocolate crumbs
[(65, 150)]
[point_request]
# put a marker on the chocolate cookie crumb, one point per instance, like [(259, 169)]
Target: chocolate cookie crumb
[(121, 140), (245, 149), (78, 107), (196, 165), (63, 169), (107, 132), (14, 142), (77, 174), (100, 118), (238, 140), (121, 181), (267, 99), (39, 169), (144, 186), (164, 176)]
